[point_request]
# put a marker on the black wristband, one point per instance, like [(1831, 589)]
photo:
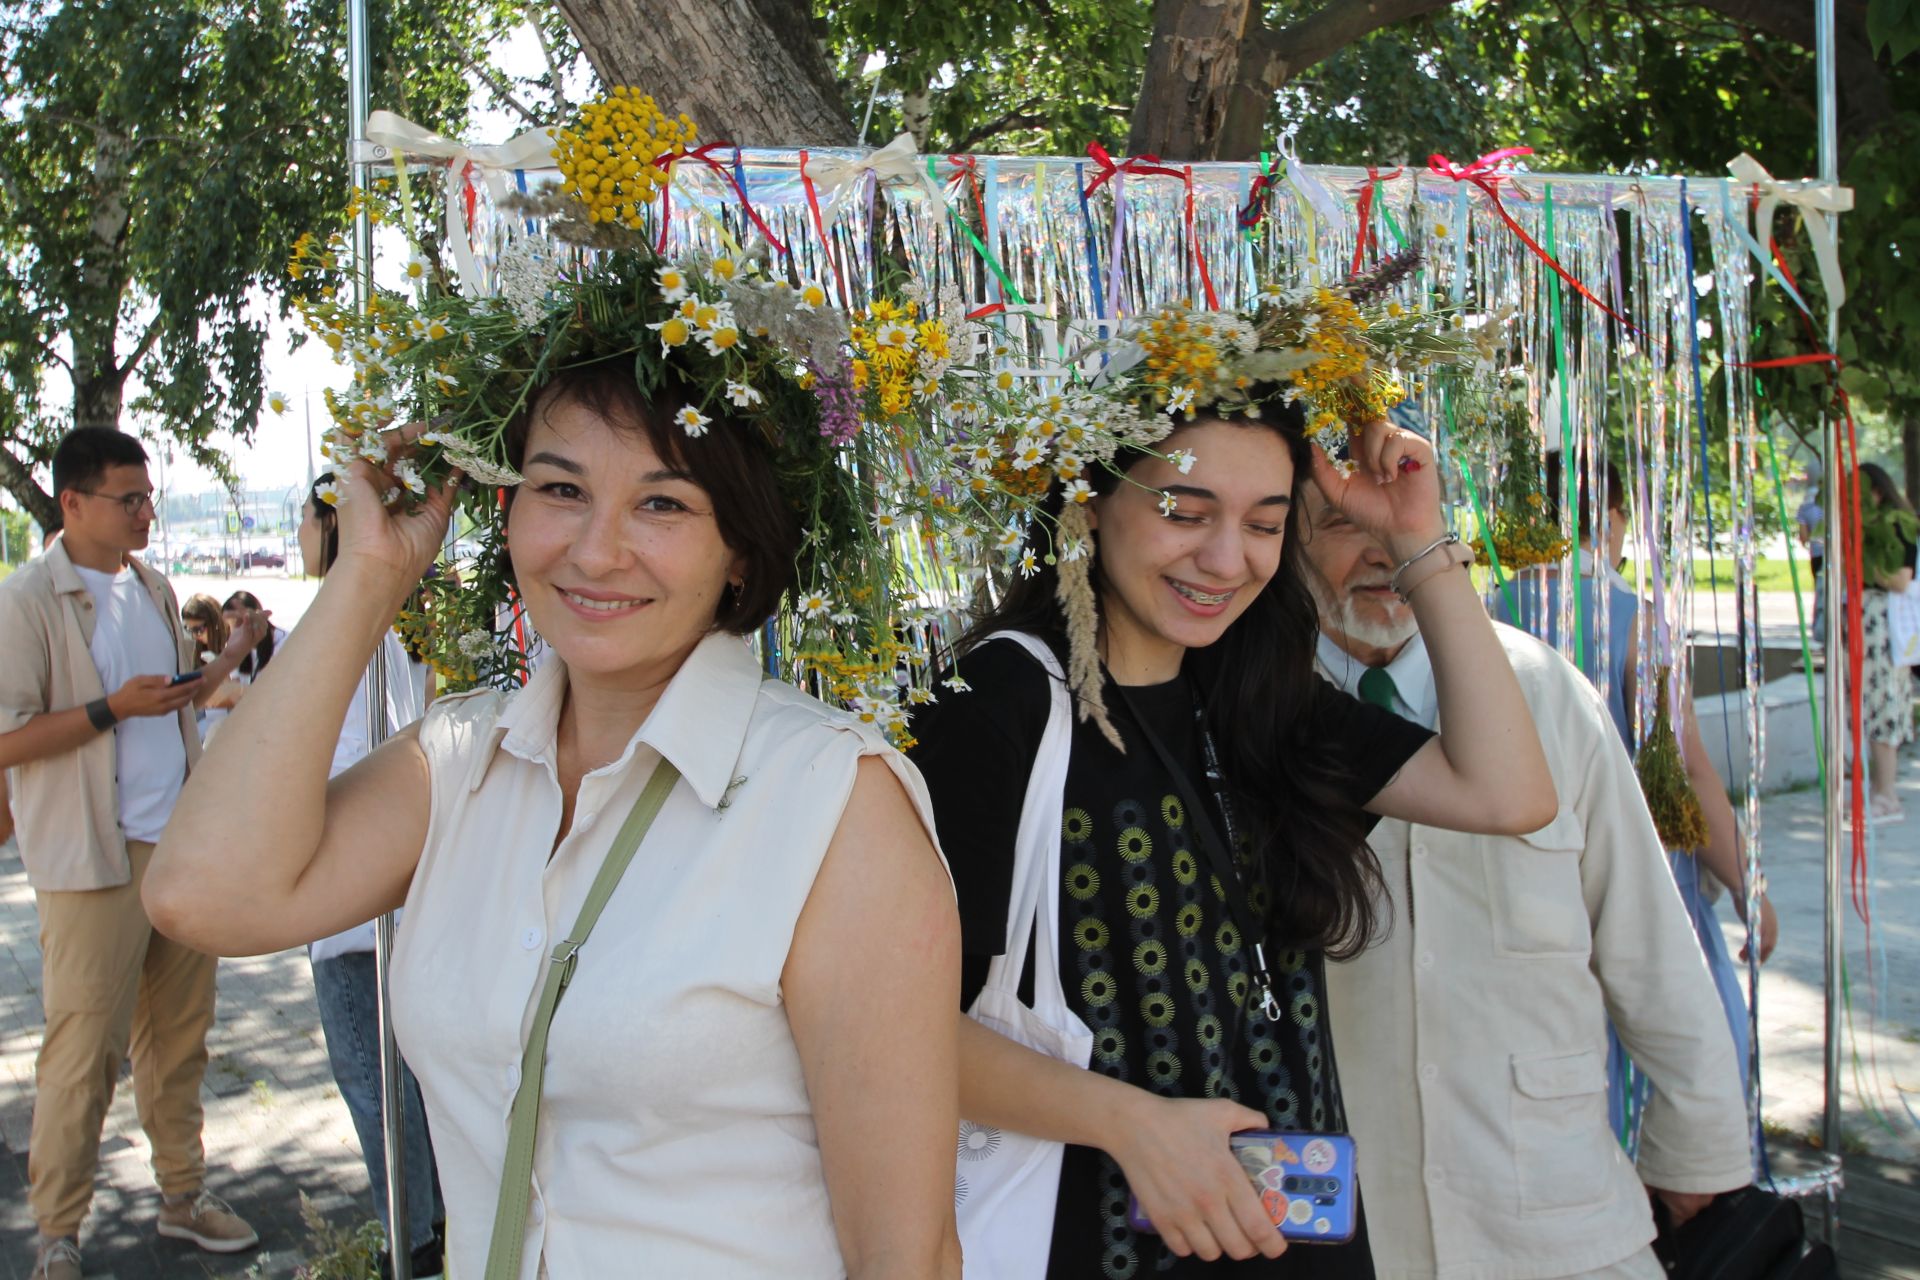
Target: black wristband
[(100, 713)]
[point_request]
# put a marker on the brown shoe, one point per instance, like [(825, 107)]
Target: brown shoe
[(58, 1258), (205, 1219)]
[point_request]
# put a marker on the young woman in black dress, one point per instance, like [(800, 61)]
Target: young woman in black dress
[(1206, 635)]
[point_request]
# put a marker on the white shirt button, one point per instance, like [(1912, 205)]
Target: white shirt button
[(530, 939), (1435, 1175), (1426, 959), (585, 820), (1420, 851), (1430, 1072), (513, 1079), (539, 1212)]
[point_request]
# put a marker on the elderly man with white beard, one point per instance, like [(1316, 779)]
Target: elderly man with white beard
[(1473, 1031)]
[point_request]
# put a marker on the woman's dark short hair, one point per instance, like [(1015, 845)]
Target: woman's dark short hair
[(729, 462)]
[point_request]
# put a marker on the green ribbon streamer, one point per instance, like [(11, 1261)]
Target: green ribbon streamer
[(1799, 603), (986, 254), (1569, 467)]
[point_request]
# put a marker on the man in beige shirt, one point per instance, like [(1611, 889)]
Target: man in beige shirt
[(99, 737), (1473, 1034)]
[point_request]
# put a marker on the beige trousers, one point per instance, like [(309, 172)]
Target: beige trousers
[(112, 986)]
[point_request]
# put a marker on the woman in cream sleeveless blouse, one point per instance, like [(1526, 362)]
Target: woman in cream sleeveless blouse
[(753, 1069)]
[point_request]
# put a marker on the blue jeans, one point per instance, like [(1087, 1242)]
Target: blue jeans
[(350, 1017)]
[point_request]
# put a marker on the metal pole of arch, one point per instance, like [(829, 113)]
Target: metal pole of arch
[(1836, 657), (392, 1096)]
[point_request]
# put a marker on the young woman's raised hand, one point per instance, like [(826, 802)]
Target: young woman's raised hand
[(1393, 490), (400, 541)]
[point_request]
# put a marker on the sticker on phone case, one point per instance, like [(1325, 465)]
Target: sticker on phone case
[(1318, 1155)]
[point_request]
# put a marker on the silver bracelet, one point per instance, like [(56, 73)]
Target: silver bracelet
[(1393, 583)]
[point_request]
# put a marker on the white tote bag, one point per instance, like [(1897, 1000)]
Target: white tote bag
[(1903, 624), (1006, 1184)]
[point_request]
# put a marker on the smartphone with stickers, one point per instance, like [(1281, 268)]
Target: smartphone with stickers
[(1306, 1183)]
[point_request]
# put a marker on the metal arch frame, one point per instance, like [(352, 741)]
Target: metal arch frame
[(392, 1094)]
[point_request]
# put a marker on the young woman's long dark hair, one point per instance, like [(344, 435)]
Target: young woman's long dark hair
[(1258, 682)]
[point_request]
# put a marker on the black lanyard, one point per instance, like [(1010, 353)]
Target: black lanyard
[(1218, 852)]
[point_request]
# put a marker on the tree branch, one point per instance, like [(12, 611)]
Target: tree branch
[(560, 107), (141, 349), (1862, 80), (1023, 119), (1271, 58), (501, 91)]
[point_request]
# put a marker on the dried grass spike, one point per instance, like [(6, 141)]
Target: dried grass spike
[(1074, 591)]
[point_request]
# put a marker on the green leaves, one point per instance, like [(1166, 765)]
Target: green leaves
[(1893, 28), (157, 162)]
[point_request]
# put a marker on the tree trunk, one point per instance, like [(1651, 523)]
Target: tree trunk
[(99, 380), (1910, 454), (17, 478), (750, 72), (1193, 66)]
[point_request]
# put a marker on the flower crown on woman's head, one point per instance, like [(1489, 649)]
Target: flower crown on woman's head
[(913, 466)]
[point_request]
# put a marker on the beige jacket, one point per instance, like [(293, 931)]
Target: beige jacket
[(1473, 1039), (67, 806)]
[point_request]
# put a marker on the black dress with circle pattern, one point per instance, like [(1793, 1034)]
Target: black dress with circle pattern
[(1150, 956)]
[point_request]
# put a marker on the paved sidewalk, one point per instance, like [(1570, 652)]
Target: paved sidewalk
[(1886, 1034), (276, 1127)]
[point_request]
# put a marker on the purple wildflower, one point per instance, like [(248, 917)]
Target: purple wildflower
[(839, 409), (1365, 286)]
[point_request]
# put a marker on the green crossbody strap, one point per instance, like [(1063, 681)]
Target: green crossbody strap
[(516, 1176)]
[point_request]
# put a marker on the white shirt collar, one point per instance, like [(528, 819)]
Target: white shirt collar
[(699, 723), (1412, 673)]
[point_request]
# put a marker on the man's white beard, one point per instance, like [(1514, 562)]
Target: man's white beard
[(1341, 614)]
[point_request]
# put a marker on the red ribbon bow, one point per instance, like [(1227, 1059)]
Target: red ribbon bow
[(1482, 172), (1256, 205), (969, 168), (704, 155), (1367, 236), (1485, 173), (1132, 164)]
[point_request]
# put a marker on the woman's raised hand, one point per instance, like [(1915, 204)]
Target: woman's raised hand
[(1393, 491), (397, 542)]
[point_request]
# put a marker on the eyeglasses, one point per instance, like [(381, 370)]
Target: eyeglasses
[(131, 503)]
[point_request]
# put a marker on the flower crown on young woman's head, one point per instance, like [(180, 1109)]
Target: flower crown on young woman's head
[(913, 466)]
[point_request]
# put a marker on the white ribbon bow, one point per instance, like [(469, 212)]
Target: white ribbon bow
[(896, 164), (1813, 199), (388, 134)]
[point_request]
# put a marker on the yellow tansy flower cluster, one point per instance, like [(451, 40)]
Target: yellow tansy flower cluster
[(897, 355), (609, 158)]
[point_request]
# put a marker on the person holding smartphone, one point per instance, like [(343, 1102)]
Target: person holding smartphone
[(97, 701), (1213, 850)]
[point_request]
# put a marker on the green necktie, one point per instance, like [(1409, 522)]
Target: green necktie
[(1376, 686)]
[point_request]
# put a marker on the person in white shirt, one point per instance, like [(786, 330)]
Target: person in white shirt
[(344, 982), (754, 1072), (1473, 1033), (97, 729)]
